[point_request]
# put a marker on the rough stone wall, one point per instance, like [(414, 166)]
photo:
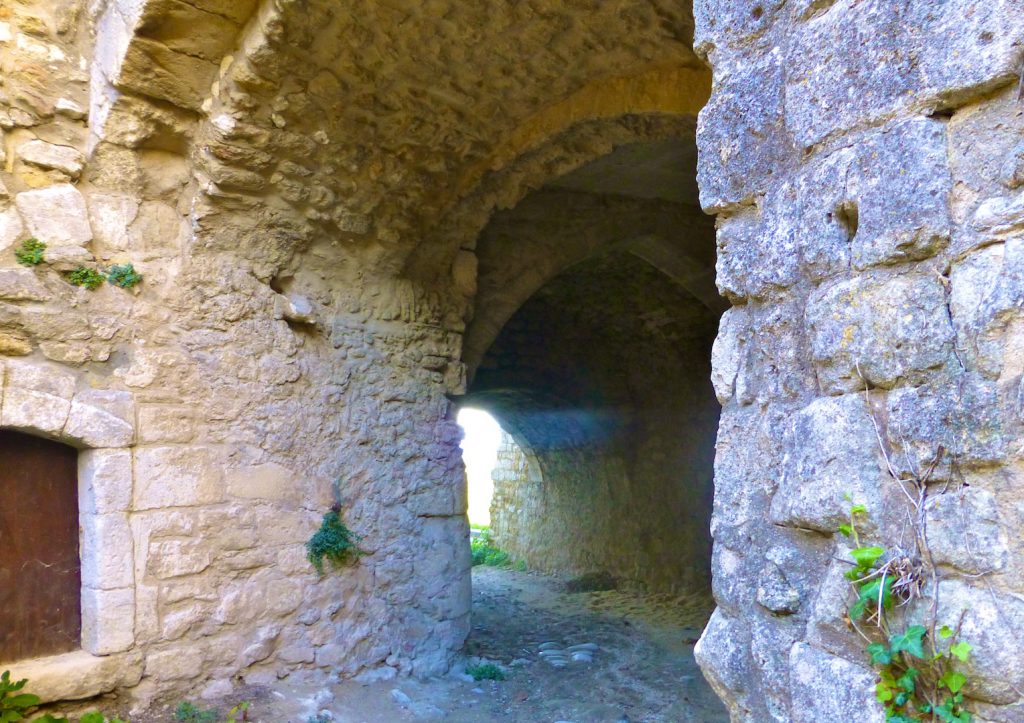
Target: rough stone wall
[(271, 178), (602, 378), (865, 163)]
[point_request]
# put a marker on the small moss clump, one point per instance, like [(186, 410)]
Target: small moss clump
[(488, 671), (123, 275), (30, 253), (84, 276), (333, 541)]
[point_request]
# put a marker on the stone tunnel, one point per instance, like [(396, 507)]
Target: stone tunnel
[(597, 299), (350, 218)]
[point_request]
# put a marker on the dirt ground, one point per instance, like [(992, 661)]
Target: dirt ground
[(642, 669)]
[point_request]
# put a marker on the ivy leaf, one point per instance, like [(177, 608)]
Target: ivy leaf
[(858, 510), (953, 680), (912, 641), (961, 650), (846, 530), (946, 632), (906, 681), (867, 556), (883, 692), (880, 653), (24, 700)]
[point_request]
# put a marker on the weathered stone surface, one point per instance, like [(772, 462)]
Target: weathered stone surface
[(879, 331), (80, 675), (11, 230), (994, 669), (107, 552), (174, 558), (108, 620), (66, 159), (740, 134), (899, 185), (175, 664), (268, 481), (724, 650), (102, 419), (964, 531), (774, 593), (829, 688), (855, 63), (175, 477), (21, 285), (110, 216), (104, 481), (56, 215), (832, 454)]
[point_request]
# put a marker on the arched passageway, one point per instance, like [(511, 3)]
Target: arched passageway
[(600, 368), (590, 344)]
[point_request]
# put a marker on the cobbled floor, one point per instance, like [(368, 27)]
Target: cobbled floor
[(633, 662)]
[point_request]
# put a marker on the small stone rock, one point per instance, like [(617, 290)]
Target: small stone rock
[(518, 663), (549, 646), (582, 657), (592, 647), (400, 698), (69, 108)]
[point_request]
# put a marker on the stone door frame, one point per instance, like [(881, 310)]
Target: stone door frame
[(47, 400)]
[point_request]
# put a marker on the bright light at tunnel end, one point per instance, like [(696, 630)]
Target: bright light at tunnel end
[(482, 437)]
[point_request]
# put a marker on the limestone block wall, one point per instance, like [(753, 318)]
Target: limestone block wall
[(864, 162), (219, 412)]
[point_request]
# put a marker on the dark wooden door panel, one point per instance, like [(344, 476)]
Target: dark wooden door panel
[(40, 571)]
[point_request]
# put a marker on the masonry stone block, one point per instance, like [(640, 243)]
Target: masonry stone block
[(176, 477), (826, 687), (22, 285), (933, 56), (266, 481), (107, 551), (101, 418), (66, 159), (11, 228), (104, 481), (879, 331), (108, 620), (831, 454), (899, 185), (756, 254), (175, 558), (995, 670), (965, 531), (80, 675), (740, 135), (961, 415), (56, 215), (724, 651)]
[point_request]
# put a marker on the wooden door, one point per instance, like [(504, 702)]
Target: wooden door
[(40, 571)]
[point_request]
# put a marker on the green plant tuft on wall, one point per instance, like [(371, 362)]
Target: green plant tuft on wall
[(91, 279), (30, 253), (123, 275), (333, 541), (917, 666)]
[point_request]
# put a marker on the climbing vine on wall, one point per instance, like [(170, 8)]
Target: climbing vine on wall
[(919, 678)]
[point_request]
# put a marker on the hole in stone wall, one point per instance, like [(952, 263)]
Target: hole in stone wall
[(849, 218)]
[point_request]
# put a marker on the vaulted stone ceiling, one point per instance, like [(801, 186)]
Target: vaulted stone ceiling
[(373, 118)]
